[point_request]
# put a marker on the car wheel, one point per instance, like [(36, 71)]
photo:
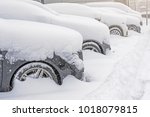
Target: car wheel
[(91, 46), (36, 70), (132, 27), (116, 31)]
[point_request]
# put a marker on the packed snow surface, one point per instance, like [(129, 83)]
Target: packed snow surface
[(36, 41)]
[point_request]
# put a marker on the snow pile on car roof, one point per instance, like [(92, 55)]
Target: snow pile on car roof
[(109, 4), (131, 19), (35, 41), (112, 4), (15, 9)]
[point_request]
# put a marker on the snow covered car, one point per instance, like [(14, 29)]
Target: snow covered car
[(117, 27), (95, 35), (117, 5), (38, 50), (132, 22)]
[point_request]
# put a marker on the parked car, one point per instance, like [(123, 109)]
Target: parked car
[(38, 50), (133, 23), (117, 5), (95, 35), (117, 27)]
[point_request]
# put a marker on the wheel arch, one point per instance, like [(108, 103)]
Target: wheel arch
[(112, 26), (47, 63), (134, 26), (98, 43)]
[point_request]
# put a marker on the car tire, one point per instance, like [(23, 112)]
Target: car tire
[(116, 31), (90, 45), (36, 70), (133, 27)]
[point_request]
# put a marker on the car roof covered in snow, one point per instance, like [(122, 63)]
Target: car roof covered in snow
[(131, 20), (15, 9), (112, 4)]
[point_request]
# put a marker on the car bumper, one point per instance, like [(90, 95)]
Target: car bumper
[(124, 29), (78, 68), (139, 29), (126, 33)]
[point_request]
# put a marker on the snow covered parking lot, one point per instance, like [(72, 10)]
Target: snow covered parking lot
[(122, 74)]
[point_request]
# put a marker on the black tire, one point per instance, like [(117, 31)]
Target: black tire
[(36, 70), (116, 31), (90, 45), (132, 27)]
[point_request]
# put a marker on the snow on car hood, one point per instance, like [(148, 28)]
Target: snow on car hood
[(36, 41), (116, 5), (88, 27), (110, 18), (131, 19), (117, 10)]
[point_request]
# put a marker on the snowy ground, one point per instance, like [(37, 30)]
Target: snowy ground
[(122, 74)]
